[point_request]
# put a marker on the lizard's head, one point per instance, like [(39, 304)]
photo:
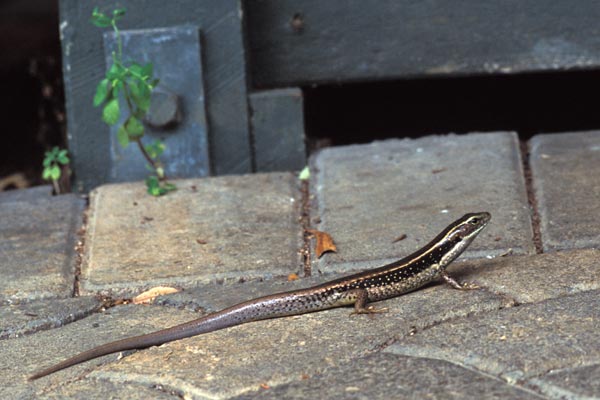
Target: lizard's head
[(467, 227), (457, 237)]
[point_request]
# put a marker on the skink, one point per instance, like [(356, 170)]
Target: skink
[(405, 275)]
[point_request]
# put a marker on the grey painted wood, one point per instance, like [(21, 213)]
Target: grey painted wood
[(298, 42), (278, 130), (224, 79)]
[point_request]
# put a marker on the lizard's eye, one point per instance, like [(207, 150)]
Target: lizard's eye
[(474, 221)]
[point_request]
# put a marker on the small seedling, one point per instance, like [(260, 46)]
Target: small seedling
[(53, 160), (134, 83), (304, 175)]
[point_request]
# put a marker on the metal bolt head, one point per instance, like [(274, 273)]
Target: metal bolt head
[(164, 111)]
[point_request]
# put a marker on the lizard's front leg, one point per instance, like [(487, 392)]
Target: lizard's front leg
[(361, 298)]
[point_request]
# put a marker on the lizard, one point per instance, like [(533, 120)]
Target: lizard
[(391, 280)]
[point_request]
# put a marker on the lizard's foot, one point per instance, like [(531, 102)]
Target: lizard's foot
[(456, 285), (468, 286)]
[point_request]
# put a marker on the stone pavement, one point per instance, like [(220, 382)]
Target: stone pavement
[(532, 331)]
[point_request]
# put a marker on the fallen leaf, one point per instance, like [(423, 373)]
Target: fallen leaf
[(399, 238), (149, 295), (201, 241), (324, 242), (292, 277), (264, 386)]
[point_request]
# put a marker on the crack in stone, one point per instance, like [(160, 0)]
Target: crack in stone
[(48, 323), (531, 199), (79, 250), (172, 392), (305, 223)]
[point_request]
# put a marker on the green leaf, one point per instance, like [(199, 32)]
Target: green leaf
[(153, 186), (47, 160), (100, 19), (117, 87), (116, 71), (118, 13), (142, 100), (145, 90), (134, 89), (136, 70), (154, 83), (134, 127), (157, 188), (111, 112), (63, 159), (54, 172), (122, 136), (155, 149), (147, 70), (304, 174), (46, 174), (102, 91), (169, 187)]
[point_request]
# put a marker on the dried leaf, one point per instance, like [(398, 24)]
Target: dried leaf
[(400, 238), (292, 277), (324, 242), (149, 295)]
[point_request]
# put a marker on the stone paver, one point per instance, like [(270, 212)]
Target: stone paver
[(32, 352), (573, 382), (531, 332), (516, 343), (38, 233), (21, 319), (215, 229), (368, 195), (566, 177), (387, 376), (92, 389), (528, 279)]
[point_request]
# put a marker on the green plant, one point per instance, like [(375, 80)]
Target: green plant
[(135, 83), (53, 160), (304, 175)]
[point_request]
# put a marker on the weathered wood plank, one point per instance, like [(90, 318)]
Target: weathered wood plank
[(278, 130), (298, 42)]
